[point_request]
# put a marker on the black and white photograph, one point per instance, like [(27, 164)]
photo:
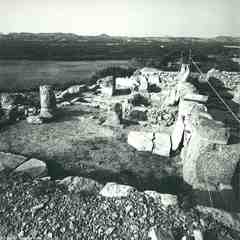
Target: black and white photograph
[(119, 120)]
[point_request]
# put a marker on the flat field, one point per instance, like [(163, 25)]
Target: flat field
[(18, 75)]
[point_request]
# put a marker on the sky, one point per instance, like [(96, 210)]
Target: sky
[(195, 18)]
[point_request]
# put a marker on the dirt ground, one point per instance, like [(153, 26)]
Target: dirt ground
[(76, 144)]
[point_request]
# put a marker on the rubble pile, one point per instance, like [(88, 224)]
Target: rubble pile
[(69, 209)]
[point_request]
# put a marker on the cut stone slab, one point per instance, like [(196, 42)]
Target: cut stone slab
[(213, 131), (107, 91), (114, 190), (79, 184), (196, 97), (177, 134), (9, 161), (142, 141), (123, 83), (33, 167), (162, 144)]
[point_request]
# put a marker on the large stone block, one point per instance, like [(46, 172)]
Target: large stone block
[(142, 141), (209, 163), (162, 144), (212, 131)]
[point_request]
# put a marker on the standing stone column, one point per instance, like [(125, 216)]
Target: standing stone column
[(47, 101)]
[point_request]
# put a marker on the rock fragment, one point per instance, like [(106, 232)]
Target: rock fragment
[(33, 167), (114, 190)]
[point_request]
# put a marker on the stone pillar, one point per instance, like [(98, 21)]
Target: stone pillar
[(47, 101)]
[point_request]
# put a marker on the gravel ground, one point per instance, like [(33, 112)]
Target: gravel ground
[(46, 210)]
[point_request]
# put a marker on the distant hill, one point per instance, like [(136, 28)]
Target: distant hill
[(61, 37), (227, 39)]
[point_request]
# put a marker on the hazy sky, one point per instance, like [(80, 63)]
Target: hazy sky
[(204, 18)]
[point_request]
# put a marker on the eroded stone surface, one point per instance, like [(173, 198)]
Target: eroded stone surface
[(206, 162)]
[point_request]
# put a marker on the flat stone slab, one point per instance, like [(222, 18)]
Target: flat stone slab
[(142, 141), (196, 97), (162, 144), (9, 161), (33, 167)]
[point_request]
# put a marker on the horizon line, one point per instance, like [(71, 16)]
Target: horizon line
[(126, 36)]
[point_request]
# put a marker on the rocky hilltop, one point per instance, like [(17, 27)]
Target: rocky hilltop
[(152, 156)]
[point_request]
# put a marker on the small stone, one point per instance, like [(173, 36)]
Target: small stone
[(35, 120), (50, 235), (116, 190), (168, 199), (109, 231)]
